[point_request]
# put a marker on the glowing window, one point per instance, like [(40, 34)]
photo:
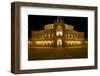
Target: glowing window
[(59, 33), (59, 42)]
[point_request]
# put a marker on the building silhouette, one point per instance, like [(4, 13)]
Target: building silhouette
[(57, 34)]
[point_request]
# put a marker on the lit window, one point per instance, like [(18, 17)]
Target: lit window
[(48, 35), (59, 42), (68, 35), (59, 33), (45, 35)]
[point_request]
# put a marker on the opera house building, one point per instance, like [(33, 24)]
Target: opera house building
[(57, 34)]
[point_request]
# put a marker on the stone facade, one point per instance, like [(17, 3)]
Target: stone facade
[(57, 34)]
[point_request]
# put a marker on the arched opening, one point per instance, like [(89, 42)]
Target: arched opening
[(59, 42), (59, 31)]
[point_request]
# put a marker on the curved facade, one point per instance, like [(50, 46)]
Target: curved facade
[(57, 34)]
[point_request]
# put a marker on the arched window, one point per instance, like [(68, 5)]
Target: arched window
[(59, 31), (71, 35), (45, 35), (59, 42), (52, 35), (49, 35), (68, 35)]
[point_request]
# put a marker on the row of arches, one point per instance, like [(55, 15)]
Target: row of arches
[(73, 43), (58, 43), (44, 43), (70, 35), (47, 35), (49, 26)]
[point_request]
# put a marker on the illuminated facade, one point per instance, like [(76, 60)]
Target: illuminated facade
[(57, 34)]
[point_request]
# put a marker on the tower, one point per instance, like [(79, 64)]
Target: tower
[(59, 32)]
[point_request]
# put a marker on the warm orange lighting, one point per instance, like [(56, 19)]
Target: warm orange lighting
[(57, 34)]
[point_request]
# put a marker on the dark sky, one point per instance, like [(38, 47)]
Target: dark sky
[(36, 22)]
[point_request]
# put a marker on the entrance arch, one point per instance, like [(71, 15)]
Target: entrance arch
[(59, 42)]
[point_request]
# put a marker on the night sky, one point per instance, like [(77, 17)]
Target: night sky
[(36, 22)]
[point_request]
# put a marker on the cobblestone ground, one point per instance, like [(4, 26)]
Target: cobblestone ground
[(56, 53)]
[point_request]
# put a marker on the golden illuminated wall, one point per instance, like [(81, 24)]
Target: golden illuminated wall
[(49, 37)]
